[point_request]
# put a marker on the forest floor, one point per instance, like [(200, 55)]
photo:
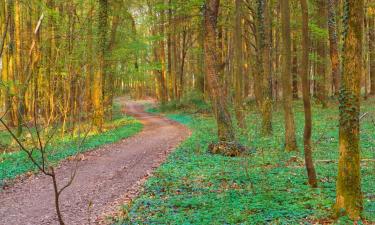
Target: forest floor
[(269, 186), (106, 176)]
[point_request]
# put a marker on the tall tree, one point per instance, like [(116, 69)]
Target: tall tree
[(290, 136), (264, 65), (226, 132), (372, 51), (321, 89), (238, 64), (307, 95), (100, 73), (333, 46), (348, 187)]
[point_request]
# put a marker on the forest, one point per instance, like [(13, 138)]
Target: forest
[(187, 112)]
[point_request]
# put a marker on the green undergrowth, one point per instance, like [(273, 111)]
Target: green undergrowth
[(17, 163), (267, 187)]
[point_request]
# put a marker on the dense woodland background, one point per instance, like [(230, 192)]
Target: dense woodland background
[(64, 62)]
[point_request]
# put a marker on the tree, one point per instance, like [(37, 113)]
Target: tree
[(306, 95), (264, 64), (226, 132), (372, 51), (321, 89), (333, 46), (290, 137), (238, 63), (100, 73), (348, 187)]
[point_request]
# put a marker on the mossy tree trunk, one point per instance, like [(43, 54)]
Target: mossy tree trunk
[(264, 65), (100, 73), (348, 187)]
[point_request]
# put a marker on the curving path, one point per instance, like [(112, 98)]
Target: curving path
[(105, 176)]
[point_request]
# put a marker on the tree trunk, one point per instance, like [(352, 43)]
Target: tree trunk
[(322, 54), (223, 118), (306, 95), (264, 65), (333, 46), (238, 65), (98, 75), (349, 199), (372, 53), (295, 69), (290, 137)]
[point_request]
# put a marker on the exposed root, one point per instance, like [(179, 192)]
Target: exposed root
[(231, 149)]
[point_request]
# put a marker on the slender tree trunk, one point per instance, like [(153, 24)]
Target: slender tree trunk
[(99, 75), (295, 69), (322, 54), (263, 80), (238, 66), (163, 74), (290, 137), (349, 198), (333, 46), (306, 95), (372, 53), (18, 68)]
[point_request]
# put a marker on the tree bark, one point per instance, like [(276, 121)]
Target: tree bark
[(238, 65), (290, 137), (372, 53), (349, 199), (264, 65), (333, 44), (307, 95), (322, 54), (223, 118), (98, 75)]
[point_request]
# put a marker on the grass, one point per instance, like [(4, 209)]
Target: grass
[(17, 163), (268, 187)]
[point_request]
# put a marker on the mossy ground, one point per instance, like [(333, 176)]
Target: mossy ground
[(17, 163), (267, 187)]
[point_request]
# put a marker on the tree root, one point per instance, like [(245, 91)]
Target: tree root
[(231, 149)]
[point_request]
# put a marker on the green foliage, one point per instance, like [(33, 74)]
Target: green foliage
[(17, 163), (191, 102), (269, 187)]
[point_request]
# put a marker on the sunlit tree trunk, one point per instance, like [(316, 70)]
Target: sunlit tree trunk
[(321, 80), (333, 46), (372, 52), (306, 95), (348, 187), (163, 73), (99, 74), (20, 100)]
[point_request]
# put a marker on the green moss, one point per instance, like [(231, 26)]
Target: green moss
[(269, 187)]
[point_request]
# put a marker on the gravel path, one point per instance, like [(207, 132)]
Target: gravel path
[(106, 177)]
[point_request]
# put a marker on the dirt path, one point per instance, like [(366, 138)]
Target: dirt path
[(105, 177)]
